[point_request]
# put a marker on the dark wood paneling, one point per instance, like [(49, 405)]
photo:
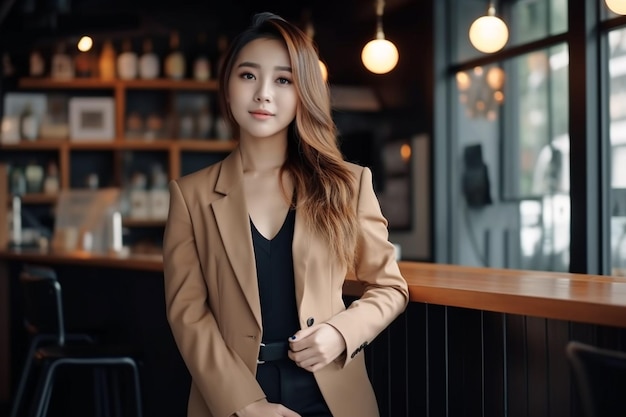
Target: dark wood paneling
[(477, 363)]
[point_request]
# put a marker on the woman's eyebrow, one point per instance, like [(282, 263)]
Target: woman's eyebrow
[(257, 66)]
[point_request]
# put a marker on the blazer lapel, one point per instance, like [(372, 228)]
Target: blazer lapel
[(233, 223)]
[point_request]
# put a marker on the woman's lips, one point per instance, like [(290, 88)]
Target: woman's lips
[(261, 114)]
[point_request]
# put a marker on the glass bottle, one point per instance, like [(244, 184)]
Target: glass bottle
[(127, 62), (36, 64), (106, 61), (62, 65), (83, 64), (51, 182), (204, 123), (34, 177), (18, 181), (175, 60), (29, 125), (201, 64), (148, 62)]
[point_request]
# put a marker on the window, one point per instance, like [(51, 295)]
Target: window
[(515, 108), (617, 147)]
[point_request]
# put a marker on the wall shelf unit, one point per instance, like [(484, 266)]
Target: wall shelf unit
[(115, 160)]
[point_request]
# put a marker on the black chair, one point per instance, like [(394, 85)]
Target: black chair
[(600, 376), (52, 349)]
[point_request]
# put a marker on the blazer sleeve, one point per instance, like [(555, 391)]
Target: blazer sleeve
[(386, 292), (226, 383)]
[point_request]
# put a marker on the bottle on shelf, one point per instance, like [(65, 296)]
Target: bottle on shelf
[(134, 126), (62, 67), (18, 181), (201, 64), (36, 64), (175, 60), (8, 69), (34, 177), (186, 126), (148, 62), (204, 123), (154, 127), (51, 182), (83, 65), (107, 61), (139, 196), (222, 128), (159, 194), (29, 125), (127, 62)]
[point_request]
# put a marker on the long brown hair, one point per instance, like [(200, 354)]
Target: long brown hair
[(325, 187)]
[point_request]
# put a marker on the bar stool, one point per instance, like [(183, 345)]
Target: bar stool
[(600, 376), (53, 349)]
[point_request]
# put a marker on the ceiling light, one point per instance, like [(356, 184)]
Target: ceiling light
[(379, 55), (616, 6), (489, 33), (85, 43)]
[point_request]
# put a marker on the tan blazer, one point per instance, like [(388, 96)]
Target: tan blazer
[(213, 302)]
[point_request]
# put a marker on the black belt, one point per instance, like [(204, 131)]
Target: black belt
[(272, 352)]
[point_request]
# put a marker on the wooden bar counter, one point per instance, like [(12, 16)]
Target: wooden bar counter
[(473, 341)]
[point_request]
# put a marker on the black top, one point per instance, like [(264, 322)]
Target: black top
[(274, 265)]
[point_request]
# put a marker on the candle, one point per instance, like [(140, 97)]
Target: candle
[(116, 232)]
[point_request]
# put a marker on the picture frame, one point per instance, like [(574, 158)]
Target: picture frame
[(15, 105), (92, 118)]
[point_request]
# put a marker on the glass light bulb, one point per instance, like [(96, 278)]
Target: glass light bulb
[(495, 78), (85, 43), (463, 81), (488, 34), (379, 56), (616, 6)]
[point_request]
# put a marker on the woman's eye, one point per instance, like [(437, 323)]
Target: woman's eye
[(247, 76), (283, 80)]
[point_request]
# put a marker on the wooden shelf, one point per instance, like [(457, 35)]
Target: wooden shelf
[(39, 198), (171, 152), (73, 84), (38, 145), (208, 145), (130, 222), (96, 83), (165, 84)]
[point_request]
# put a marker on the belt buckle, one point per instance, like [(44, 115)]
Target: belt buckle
[(260, 362)]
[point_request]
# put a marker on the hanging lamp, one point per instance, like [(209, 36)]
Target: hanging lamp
[(379, 55), (489, 33), (616, 6)]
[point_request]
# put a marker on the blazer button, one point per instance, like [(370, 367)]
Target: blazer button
[(310, 321)]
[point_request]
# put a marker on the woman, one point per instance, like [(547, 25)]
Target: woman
[(257, 247)]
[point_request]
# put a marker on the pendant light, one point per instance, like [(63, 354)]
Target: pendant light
[(616, 6), (379, 55), (489, 33)]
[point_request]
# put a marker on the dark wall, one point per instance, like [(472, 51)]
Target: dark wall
[(342, 28)]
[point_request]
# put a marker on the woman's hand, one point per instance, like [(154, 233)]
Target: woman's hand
[(263, 408), (315, 347)]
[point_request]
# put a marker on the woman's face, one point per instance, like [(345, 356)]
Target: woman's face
[(261, 93)]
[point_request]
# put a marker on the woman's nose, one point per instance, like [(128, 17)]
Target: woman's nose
[(263, 94), (262, 98)]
